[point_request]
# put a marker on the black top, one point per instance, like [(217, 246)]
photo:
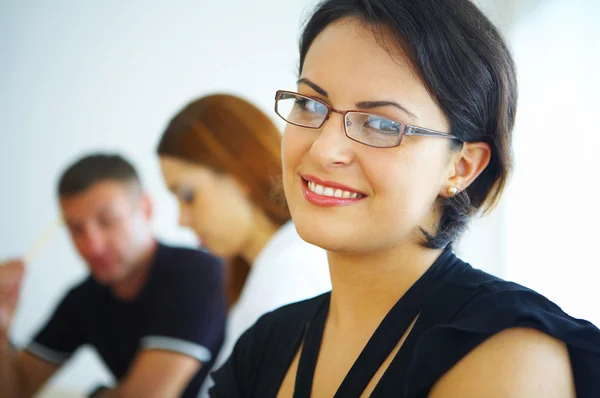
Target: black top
[(459, 307), (182, 308)]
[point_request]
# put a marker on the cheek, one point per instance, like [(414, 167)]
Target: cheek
[(227, 227), (121, 238), (406, 183), (80, 245), (296, 142), (202, 211), (221, 213), (295, 145)]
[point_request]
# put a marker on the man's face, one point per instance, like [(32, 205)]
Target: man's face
[(110, 226)]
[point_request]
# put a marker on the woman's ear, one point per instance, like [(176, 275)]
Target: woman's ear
[(467, 165)]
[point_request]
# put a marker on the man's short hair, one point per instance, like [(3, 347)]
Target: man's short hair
[(95, 168)]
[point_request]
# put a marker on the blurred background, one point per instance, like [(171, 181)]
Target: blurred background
[(77, 77)]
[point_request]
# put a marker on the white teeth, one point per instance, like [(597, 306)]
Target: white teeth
[(328, 191)]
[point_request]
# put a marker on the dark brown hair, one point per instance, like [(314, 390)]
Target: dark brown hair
[(94, 168), (464, 62), (230, 135)]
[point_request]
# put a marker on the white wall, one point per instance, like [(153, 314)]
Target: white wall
[(554, 218), (79, 76)]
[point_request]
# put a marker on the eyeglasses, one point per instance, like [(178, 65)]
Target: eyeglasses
[(363, 127)]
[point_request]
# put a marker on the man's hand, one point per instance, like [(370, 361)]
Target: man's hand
[(11, 277), (21, 374)]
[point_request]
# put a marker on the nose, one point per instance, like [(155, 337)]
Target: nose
[(185, 216), (92, 243), (332, 148)]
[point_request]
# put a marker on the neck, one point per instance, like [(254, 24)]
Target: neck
[(262, 231), (365, 287), (129, 287)]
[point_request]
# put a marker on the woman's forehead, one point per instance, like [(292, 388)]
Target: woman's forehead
[(351, 40), (349, 54), (175, 169)]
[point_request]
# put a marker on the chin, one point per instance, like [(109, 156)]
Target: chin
[(107, 277), (333, 238), (221, 251), (104, 279), (347, 235)]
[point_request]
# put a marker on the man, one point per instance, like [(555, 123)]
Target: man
[(154, 313)]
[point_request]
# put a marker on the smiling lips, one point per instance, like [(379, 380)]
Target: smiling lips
[(328, 194)]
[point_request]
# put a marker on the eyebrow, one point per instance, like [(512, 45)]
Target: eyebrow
[(314, 86), (377, 104), (362, 104)]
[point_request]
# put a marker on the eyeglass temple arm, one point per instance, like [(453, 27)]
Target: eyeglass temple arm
[(410, 130)]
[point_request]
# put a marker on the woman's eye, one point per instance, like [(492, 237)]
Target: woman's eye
[(312, 106), (187, 195), (383, 125)]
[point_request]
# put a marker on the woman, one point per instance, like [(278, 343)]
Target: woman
[(219, 156), (398, 132)]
